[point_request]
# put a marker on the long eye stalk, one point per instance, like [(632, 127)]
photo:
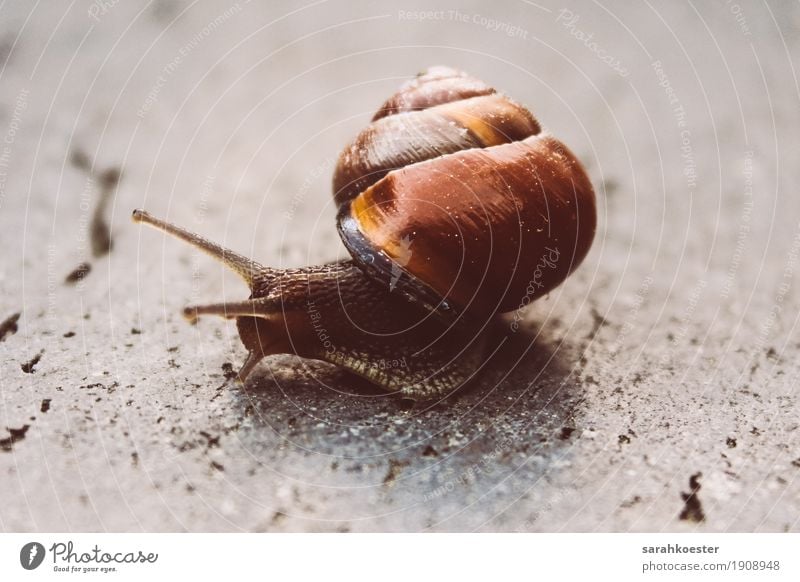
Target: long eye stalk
[(248, 269)]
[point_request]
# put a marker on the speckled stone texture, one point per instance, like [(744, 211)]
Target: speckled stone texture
[(655, 391)]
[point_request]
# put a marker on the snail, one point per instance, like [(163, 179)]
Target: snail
[(455, 207)]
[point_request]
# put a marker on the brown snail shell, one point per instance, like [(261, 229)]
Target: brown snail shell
[(453, 195)]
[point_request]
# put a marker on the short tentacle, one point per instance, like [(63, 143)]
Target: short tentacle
[(253, 358), (259, 307)]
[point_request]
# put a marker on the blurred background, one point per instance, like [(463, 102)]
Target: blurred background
[(654, 390)]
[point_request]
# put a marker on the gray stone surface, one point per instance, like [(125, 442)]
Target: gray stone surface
[(670, 353)]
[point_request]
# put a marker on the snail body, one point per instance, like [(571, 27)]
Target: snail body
[(448, 203)]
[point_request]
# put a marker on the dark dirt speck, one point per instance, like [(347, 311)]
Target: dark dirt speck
[(227, 371), (79, 273), (566, 433), (15, 435), (693, 509), (395, 467), (80, 159), (9, 326), (99, 230), (28, 367)]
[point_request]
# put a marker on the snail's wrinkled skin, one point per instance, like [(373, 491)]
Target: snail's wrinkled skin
[(334, 313), (450, 202)]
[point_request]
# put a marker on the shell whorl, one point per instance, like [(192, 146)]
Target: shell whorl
[(440, 112)]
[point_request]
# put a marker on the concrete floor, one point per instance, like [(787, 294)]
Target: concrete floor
[(655, 391)]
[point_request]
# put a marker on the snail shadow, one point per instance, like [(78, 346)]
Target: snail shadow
[(525, 369)]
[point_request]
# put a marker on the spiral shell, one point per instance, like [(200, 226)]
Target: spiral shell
[(455, 197)]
